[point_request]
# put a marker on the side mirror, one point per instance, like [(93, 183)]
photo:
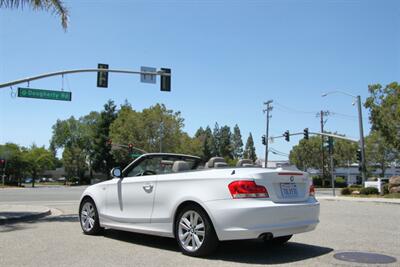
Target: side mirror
[(116, 172)]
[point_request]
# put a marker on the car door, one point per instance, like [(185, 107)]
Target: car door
[(130, 199)]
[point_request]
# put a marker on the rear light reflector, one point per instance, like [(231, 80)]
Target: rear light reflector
[(247, 189), (312, 191)]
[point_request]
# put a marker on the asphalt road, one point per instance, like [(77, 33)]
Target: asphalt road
[(58, 240)]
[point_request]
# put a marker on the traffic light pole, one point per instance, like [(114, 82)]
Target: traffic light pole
[(57, 73), (332, 175), (316, 133), (268, 109)]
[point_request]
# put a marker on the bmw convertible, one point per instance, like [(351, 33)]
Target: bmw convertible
[(177, 196)]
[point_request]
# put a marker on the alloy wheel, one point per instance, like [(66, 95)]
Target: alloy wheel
[(191, 231)]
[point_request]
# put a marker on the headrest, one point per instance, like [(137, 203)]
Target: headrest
[(180, 166), (213, 160), (220, 164), (244, 163)]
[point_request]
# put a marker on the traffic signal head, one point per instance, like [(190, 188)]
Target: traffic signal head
[(2, 163), (263, 140), (102, 76), (165, 84), (305, 131), (359, 154), (287, 136), (330, 144)]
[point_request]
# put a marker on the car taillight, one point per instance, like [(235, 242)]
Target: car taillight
[(312, 191), (247, 189)]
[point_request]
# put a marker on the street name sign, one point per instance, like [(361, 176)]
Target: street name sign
[(148, 78), (44, 94)]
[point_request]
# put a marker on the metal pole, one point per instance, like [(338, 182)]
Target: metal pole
[(360, 124), (322, 148), (46, 75), (332, 175), (269, 108)]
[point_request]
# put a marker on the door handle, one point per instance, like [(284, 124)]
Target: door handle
[(148, 188)]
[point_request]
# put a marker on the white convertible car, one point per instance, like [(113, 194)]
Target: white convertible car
[(176, 196)]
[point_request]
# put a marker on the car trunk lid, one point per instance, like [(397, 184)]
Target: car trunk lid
[(285, 186)]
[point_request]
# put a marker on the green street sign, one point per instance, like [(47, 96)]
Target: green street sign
[(44, 94)]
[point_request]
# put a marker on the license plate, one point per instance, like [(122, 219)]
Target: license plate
[(289, 190)]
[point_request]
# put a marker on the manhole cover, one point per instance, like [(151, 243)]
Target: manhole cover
[(364, 257)]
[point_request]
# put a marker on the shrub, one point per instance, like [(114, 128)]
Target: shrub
[(340, 182), (369, 191), (346, 191), (355, 186), (317, 181), (386, 189)]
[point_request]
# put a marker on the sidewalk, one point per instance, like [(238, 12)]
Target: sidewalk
[(361, 199), (18, 213)]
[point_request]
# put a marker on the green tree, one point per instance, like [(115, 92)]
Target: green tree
[(102, 159), (379, 152), (205, 139), (75, 163), (15, 166), (384, 107), (54, 6), (75, 137), (215, 146), (154, 129), (37, 160), (307, 154), (225, 142), (250, 150), (237, 143)]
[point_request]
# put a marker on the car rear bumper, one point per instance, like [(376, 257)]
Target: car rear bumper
[(235, 219)]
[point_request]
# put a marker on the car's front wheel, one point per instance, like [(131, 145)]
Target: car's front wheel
[(194, 232), (88, 217)]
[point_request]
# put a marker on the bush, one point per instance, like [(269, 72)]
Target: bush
[(369, 191), (355, 186), (340, 182), (317, 181), (386, 189), (346, 191)]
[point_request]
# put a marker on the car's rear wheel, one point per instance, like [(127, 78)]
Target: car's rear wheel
[(194, 232), (278, 241), (89, 217)]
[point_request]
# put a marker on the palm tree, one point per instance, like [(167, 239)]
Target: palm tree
[(55, 6)]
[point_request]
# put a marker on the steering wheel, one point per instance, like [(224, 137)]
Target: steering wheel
[(147, 172)]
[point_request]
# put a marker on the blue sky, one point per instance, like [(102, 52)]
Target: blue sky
[(227, 58)]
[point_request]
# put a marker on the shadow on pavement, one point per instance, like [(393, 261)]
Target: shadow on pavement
[(244, 251), (22, 225)]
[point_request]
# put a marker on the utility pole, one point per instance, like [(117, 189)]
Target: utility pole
[(360, 124), (267, 110), (321, 115)]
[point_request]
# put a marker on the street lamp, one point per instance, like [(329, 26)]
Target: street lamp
[(360, 124)]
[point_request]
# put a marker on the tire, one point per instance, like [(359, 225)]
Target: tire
[(89, 217), (194, 232), (278, 241)]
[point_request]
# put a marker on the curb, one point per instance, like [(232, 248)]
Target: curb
[(26, 217), (365, 200)]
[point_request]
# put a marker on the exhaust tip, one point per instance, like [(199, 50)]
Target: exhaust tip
[(266, 236)]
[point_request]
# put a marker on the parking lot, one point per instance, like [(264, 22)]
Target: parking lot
[(57, 240)]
